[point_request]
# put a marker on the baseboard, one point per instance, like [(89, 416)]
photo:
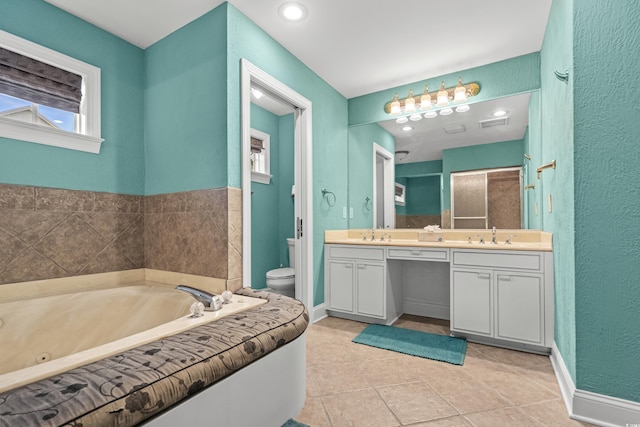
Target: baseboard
[(318, 312), (425, 309), (591, 407)]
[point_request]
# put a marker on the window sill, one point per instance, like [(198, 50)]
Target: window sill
[(29, 132), (262, 178)]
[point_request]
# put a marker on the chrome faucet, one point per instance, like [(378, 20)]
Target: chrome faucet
[(373, 234), (494, 238), (211, 302)]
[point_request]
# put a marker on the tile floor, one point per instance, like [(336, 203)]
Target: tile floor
[(354, 385)]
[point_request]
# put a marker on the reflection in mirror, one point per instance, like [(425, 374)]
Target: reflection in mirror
[(479, 139)]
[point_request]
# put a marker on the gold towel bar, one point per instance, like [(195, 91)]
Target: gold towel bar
[(551, 164)]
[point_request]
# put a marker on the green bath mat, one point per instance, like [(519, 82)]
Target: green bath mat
[(293, 423), (415, 343)]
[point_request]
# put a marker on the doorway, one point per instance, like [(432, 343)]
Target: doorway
[(383, 188), (252, 76)]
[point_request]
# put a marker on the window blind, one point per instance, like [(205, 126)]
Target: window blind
[(35, 81), (256, 145)]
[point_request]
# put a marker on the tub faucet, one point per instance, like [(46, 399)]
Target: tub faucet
[(211, 302), (494, 238)]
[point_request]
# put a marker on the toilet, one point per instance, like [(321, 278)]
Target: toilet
[(283, 280)]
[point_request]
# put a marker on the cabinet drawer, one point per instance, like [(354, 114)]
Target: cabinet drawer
[(516, 260), (373, 254), (419, 253)]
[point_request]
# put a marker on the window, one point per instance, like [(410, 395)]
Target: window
[(260, 157), (37, 109)]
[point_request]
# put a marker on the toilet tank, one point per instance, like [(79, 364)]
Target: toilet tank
[(291, 242)]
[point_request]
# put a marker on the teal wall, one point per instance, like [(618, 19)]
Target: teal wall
[(271, 213), (119, 168), (185, 108), (533, 147), (423, 193), (557, 144), (607, 191), (475, 157), (247, 40), (361, 140)]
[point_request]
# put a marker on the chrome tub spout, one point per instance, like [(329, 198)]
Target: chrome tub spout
[(211, 302)]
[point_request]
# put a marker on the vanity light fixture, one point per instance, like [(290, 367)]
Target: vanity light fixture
[(443, 97)]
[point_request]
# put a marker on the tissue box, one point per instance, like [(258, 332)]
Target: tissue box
[(430, 236)]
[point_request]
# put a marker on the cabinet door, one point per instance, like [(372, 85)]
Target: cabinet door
[(519, 307), (370, 289), (341, 280), (471, 302)]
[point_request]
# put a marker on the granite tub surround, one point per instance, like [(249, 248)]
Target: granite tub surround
[(48, 335), (196, 232), (134, 385), (524, 240), (48, 233)]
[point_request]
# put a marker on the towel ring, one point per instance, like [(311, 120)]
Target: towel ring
[(326, 193), (368, 203)]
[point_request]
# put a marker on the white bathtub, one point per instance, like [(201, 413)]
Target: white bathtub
[(44, 336)]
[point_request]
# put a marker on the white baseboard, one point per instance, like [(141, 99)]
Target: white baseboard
[(317, 313), (591, 407)]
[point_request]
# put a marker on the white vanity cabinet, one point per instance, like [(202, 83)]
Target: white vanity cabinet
[(356, 283), (503, 297)]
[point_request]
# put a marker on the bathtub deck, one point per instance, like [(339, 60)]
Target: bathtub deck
[(127, 388)]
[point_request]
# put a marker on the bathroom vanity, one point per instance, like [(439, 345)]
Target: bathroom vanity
[(499, 294)]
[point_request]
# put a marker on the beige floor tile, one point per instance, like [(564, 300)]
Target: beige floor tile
[(415, 402), (505, 417), (341, 376), (337, 378), (516, 388), (390, 371), (457, 421), (362, 408), (552, 413), (468, 395), (313, 413)]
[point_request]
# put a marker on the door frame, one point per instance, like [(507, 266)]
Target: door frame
[(303, 177)]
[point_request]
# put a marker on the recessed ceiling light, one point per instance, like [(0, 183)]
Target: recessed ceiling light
[(402, 120), (415, 117), (292, 12), (430, 115), (446, 111), (499, 113), (407, 128), (463, 108)]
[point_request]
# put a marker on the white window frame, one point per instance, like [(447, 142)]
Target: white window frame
[(88, 138), (263, 177)]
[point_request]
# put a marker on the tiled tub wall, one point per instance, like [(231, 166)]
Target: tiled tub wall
[(196, 232), (48, 233)]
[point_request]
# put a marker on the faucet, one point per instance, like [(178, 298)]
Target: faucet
[(373, 234), (494, 238), (480, 238), (211, 302)]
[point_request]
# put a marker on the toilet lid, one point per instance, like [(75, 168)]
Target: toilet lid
[(281, 273)]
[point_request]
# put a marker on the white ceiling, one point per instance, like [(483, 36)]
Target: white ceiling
[(357, 46), (363, 46)]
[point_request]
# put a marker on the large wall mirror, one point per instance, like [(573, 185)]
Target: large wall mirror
[(442, 163)]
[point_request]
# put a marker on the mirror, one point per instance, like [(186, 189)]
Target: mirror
[(434, 148)]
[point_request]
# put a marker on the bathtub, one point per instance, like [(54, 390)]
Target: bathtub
[(44, 336)]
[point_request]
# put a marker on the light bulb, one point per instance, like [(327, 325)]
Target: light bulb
[(425, 99), (460, 93), (443, 96), (410, 103), (395, 105)]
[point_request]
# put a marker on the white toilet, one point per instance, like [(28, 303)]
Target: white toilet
[(283, 280)]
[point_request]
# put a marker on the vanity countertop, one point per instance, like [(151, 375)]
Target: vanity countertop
[(521, 240)]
